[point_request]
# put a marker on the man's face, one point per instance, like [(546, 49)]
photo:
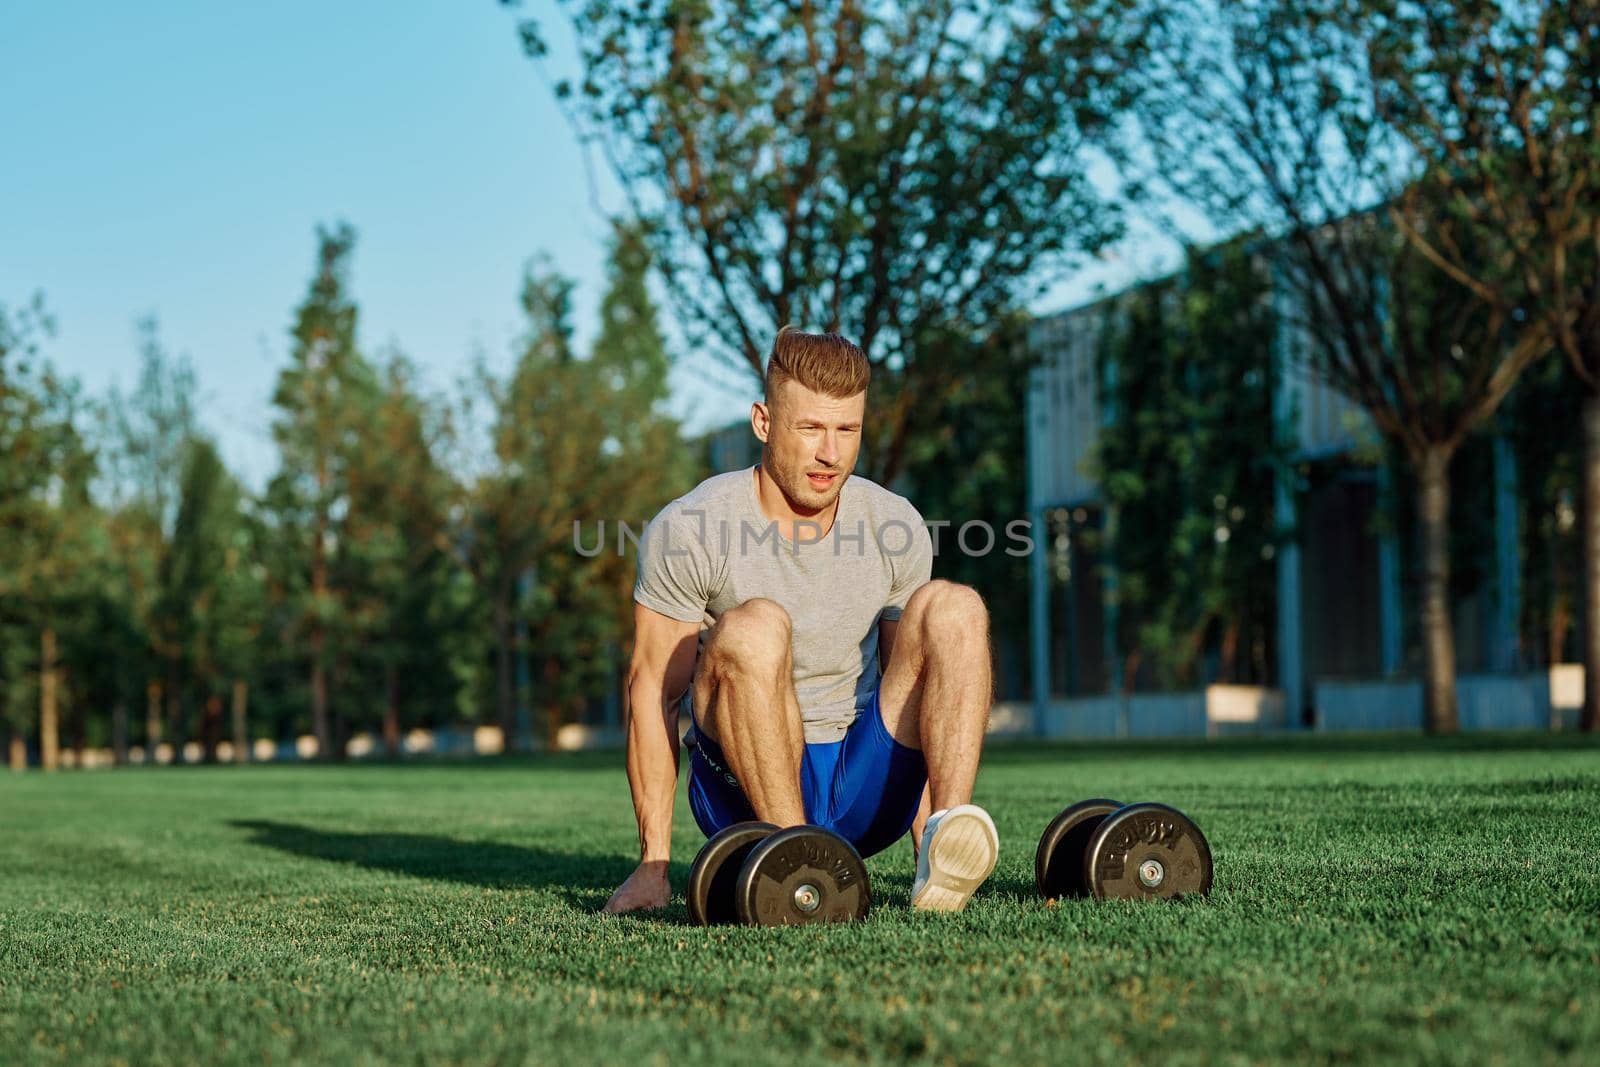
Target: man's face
[(811, 442)]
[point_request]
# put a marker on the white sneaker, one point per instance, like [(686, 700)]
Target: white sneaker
[(959, 850)]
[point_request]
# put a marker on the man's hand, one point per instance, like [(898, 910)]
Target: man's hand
[(645, 889)]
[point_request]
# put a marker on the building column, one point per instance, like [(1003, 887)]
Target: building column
[(1074, 679), (1503, 651), (1390, 646), (1110, 607), (523, 742), (1039, 619), (1286, 419), (1291, 677), (1038, 572)]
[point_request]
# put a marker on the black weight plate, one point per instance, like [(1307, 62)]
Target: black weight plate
[(716, 869), (802, 875), (1146, 851), (1058, 863)]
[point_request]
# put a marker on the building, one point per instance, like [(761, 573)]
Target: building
[(1345, 629)]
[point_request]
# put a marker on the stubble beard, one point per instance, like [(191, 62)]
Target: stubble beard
[(797, 487)]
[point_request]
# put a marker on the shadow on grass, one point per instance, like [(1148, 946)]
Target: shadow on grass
[(586, 879)]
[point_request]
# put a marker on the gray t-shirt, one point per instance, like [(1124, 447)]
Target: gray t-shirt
[(713, 549)]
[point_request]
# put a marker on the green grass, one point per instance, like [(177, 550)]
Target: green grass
[(1388, 899)]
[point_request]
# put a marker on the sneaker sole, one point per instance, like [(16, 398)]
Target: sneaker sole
[(961, 856)]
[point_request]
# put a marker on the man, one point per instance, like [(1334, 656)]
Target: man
[(767, 601)]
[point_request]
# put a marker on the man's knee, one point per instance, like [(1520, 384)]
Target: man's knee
[(754, 635), (942, 609)]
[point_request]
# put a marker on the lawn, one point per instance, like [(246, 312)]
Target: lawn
[(1376, 899)]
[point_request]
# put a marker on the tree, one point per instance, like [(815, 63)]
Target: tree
[(316, 395), (393, 556), (149, 430), (583, 606), (973, 426), (897, 173), (1260, 115), (575, 442), (206, 605), (514, 509), (45, 526), (1498, 103), (104, 651), (145, 442), (1545, 429), (238, 612), (1187, 465)]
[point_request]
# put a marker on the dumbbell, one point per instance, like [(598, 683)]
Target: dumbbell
[(756, 874), (1113, 851)]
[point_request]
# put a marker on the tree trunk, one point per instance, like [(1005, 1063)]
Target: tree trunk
[(553, 709), (241, 728), (211, 728), (391, 709), (119, 733), (1438, 641), (1130, 670), (176, 727), (1229, 657), (340, 728), (79, 742), (1590, 630), (1556, 638), (18, 752), (152, 720), (49, 723), (319, 593), (504, 664), (319, 699)]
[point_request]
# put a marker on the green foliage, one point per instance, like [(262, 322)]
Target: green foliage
[(206, 619), (640, 464), (900, 175), (1282, 117), (321, 397), (1542, 421), (338, 600), (408, 610), (909, 177), (965, 469), (149, 430), (47, 529), (147, 438), (1187, 461), (1257, 116), (1497, 103), (576, 442)]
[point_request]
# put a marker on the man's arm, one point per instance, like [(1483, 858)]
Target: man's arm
[(661, 669), (909, 572), (886, 632)]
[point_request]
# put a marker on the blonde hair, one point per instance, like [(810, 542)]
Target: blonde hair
[(822, 362)]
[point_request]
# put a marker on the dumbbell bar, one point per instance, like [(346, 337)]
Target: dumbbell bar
[(1111, 851), (759, 875)]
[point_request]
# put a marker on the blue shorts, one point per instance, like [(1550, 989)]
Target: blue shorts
[(865, 788)]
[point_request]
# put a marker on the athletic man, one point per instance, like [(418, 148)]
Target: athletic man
[(786, 609)]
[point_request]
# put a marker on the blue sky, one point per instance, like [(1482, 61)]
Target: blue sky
[(174, 159)]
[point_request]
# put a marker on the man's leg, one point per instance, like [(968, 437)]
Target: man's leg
[(938, 689), (936, 696), (744, 700)]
